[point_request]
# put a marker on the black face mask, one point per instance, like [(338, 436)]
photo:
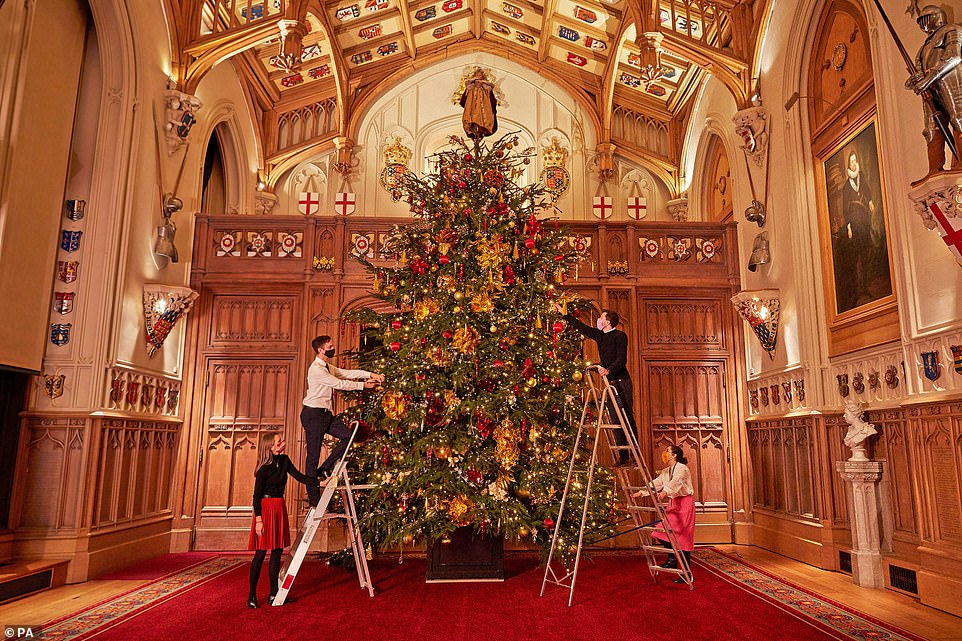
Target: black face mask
[(329, 353)]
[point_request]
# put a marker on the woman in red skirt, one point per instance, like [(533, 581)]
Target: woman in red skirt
[(270, 529), (674, 485)]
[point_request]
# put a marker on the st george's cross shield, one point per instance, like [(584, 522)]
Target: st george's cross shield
[(345, 203), (67, 270), (309, 203), (637, 207), (601, 207), (70, 240)]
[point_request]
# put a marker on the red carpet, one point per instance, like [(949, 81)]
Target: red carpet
[(615, 599), (159, 566)]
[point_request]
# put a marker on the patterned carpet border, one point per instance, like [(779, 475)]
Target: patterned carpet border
[(116, 609), (825, 614)]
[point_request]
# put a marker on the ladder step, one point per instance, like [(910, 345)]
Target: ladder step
[(642, 508), (657, 548), (658, 568), (610, 426), (621, 447)]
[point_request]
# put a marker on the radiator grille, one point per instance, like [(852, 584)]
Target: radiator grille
[(845, 562), (903, 579)]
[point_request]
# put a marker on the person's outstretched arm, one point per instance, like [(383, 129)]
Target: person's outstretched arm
[(298, 476), (585, 330)]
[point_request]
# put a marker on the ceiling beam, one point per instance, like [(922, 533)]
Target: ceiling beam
[(545, 45), (407, 27)]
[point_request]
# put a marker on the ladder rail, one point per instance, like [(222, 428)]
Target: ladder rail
[(338, 481), (604, 397)]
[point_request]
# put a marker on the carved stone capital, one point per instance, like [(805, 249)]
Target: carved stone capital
[(751, 125), (938, 200), (678, 209)]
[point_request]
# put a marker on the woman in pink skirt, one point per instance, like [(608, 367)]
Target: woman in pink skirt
[(270, 529), (674, 485)]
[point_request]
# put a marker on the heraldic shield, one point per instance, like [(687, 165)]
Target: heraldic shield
[(53, 385), (60, 333), (930, 365)]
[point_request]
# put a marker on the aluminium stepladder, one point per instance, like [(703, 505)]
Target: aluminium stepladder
[(601, 416), (338, 481)]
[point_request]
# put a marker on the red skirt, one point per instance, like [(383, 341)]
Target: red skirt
[(277, 530), (681, 517)]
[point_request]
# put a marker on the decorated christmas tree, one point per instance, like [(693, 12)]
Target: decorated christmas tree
[(477, 417)]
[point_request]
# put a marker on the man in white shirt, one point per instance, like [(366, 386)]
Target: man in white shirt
[(316, 416)]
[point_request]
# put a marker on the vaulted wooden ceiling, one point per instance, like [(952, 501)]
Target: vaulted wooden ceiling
[(324, 61)]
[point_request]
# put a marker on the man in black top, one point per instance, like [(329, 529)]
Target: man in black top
[(613, 353)]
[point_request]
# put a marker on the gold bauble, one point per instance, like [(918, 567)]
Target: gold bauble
[(407, 539), (523, 493), (458, 295), (531, 382), (443, 451), (558, 453), (523, 532), (576, 375)]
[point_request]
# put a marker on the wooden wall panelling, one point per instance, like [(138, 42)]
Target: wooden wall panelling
[(894, 445), (55, 451)]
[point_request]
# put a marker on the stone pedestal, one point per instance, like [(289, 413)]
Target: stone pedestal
[(865, 517)]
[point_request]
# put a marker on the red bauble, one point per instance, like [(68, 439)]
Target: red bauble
[(395, 346), (447, 334), (468, 157), (444, 260), (549, 522), (557, 327), (546, 379), (529, 243), (395, 324)]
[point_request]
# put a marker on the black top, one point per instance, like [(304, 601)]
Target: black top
[(271, 479), (612, 347)]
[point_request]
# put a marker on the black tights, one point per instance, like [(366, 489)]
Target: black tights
[(273, 570)]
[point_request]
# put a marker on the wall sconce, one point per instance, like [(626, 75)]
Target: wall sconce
[(163, 307), (760, 308)]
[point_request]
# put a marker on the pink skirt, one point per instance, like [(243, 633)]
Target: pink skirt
[(681, 517), (277, 530)]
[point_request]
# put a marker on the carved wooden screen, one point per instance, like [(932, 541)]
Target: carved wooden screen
[(245, 400), (686, 406)]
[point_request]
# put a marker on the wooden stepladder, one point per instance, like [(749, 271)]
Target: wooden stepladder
[(603, 415), (339, 482)]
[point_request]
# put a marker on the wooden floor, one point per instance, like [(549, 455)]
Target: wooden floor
[(899, 610)]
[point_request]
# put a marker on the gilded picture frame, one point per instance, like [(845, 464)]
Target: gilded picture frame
[(856, 256)]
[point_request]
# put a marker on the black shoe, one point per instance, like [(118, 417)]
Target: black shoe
[(669, 564), (252, 603), (270, 599)]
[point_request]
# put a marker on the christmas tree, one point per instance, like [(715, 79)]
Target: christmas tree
[(477, 417)]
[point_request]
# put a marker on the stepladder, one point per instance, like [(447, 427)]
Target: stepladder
[(339, 483), (606, 424)]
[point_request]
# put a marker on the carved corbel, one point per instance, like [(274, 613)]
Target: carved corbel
[(751, 125), (292, 34), (605, 161), (346, 161), (678, 209), (938, 200), (264, 202), (179, 117)]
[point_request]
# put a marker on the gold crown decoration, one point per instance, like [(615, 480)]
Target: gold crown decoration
[(555, 155), (397, 153)]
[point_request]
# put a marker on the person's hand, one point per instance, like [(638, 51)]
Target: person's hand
[(603, 371), (662, 496), (913, 81), (369, 383), (259, 528), (377, 378)]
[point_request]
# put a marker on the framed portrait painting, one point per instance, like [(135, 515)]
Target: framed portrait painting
[(855, 241)]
